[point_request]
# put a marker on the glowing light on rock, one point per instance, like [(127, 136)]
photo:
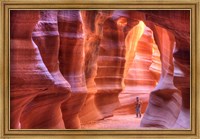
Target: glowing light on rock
[(78, 66), (131, 41)]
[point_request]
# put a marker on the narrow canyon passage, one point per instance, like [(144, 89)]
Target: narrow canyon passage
[(84, 69)]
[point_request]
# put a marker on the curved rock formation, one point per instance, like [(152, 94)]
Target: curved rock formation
[(32, 86), (170, 20), (165, 99), (139, 81), (104, 59), (71, 57), (155, 67), (111, 62), (46, 37), (93, 29)]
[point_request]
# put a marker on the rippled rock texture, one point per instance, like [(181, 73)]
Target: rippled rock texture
[(70, 67), (140, 79), (36, 89), (93, 22), (174, 83)]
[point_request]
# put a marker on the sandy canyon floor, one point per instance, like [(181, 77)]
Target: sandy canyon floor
[(115, 122)]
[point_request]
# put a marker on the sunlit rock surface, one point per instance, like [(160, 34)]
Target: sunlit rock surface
[(93, 29), (140, 80), (82, 66)]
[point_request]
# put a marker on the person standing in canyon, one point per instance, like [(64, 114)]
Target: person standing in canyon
[(138, 105)]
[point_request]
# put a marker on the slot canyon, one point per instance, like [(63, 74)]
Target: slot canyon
[(83, 69)]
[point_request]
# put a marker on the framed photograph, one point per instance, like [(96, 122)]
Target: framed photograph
[(105, 69)]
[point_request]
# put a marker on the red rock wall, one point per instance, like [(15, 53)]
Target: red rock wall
[(155, 67), (104, 59), (170, 20), (34, 91), (140, 80), (71, 57), (93, 29), (165, 99), (110, 67)]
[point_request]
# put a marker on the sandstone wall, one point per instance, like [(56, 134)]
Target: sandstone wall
[(140, 80), (170, 21), (82, 66), (93, 29), (34, 90)]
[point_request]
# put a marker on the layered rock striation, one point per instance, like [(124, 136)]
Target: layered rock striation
[(170, 21), (82, 66), (34, 90), (93, 29), (165, 98), (140, 79), (71, 57)]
